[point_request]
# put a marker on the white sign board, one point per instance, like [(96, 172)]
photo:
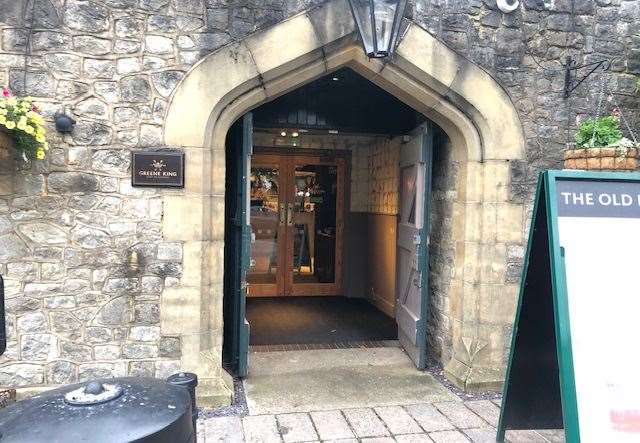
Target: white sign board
[(599, 230)]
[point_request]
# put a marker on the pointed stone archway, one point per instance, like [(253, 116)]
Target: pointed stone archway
[(465, 101)]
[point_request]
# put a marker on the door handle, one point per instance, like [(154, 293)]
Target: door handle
[(283, 213), (290, 214)]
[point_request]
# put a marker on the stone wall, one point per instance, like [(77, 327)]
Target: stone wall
[(524, 51), (67, 227)]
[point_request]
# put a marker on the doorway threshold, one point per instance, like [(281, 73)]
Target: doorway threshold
[(315, 346), (324, 379)]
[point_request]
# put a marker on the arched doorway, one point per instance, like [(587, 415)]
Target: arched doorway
[(475, 112)]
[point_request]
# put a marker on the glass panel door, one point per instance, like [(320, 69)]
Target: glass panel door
[(267, 217), (314, 246)]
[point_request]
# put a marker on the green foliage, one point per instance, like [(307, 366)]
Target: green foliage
[(601, 131)]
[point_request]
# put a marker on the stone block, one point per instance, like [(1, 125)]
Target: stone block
[(183, 218), (509, 223), (21, 374), (192, 262), (180, 310)]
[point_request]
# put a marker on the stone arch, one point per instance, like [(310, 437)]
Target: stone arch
[(464, 100)]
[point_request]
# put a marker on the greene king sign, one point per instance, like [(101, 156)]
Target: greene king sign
[(161, 169)]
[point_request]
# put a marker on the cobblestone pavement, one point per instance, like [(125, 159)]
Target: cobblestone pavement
[(444, 422)]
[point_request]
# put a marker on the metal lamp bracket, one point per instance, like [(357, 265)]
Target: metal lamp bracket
[(571, 81)]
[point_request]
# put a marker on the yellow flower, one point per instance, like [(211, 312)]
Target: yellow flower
[(40, 138), (3, 111), (3, 119), (40, 154), (11, 101), (10, 124), (45, 145), (29, 130)]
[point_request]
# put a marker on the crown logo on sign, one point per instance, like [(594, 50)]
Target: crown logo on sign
[(158, 165)]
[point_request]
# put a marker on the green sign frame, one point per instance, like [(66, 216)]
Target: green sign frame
[(540, 389)]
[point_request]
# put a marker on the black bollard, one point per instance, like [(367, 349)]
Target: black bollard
[(189, 381)]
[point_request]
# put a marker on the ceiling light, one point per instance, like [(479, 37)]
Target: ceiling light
[(294, 134), (335, 79), (283, 133)]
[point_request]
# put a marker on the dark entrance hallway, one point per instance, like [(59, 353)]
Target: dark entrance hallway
[(316, 320)]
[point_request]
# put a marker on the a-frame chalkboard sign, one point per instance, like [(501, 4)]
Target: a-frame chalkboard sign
[(574, 353)]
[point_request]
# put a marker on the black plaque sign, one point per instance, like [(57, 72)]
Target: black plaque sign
[(160, 169)]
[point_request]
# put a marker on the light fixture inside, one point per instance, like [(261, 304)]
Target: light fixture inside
[(335, 79), (283, 134), (294, 134)]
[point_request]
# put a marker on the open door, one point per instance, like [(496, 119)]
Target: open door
[(237, 246), (412, 272)]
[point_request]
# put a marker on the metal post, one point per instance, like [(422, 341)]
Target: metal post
[(189, 381)]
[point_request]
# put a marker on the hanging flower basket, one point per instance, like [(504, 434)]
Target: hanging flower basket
[(601, 146), (617, 158), (21, 119)]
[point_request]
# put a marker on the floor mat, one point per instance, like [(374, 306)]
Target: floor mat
[(306, 320)]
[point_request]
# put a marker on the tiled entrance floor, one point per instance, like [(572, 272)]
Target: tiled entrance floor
[(441, 422)]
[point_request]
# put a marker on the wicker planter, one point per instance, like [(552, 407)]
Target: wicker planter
[(606, 158)]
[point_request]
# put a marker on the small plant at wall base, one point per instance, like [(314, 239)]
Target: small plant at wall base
[(599, 144), (25, 125)]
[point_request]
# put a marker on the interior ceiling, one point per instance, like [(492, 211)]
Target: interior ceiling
[(342, 101)]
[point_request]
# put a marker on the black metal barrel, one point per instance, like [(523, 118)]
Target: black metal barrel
[(115, 410)]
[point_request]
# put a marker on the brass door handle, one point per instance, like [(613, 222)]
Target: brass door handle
[(290, 214), (283, 213)]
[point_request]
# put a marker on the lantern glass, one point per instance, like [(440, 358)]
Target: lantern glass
[(378, 23)]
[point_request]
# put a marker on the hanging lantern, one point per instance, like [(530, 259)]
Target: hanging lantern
[(378, 23)]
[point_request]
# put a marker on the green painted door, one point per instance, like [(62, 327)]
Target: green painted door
[(237, 246), (412, 252), (245, 228)]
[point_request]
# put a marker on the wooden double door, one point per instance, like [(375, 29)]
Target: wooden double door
[(297, 224)]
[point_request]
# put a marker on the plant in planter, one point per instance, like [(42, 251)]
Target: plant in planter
[(599, 144), (24, 124)]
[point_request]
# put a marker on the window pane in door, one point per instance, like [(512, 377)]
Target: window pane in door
[(408, 195), (264, 225), (314, 219)]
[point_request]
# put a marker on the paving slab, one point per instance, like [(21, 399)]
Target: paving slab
[(413, 438), (326, 379), (365, 423), (553, 435), (378, 440), (461, 416), (296, 428), (226, 429), (448, 437), (398, 420), (481, 435), (485, 409), (429, 418), (261, 429), (524, 437), (332, 426)]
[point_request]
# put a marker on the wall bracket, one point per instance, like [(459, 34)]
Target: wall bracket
[(571, 82)]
